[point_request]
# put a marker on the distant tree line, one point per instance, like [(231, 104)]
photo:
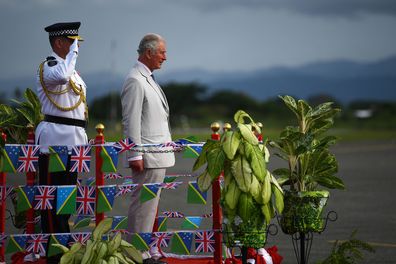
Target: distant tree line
[(192, 104)]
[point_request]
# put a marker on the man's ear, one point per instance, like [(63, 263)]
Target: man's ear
[(58, 43)]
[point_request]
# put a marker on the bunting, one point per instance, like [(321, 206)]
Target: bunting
[(16, 243), (148, 192), (141, 241), (170, 185), (9, 158), (124, 145), (25, 198), (119, 223), (194, 194), (79, 237), (105, 198), (160, 239), (66, 199), (113, 176), (173, 214), (162, 223), (191, 222), (124, 189), (181, 243), (85, 200), (28, 158), (37, 244), (109, 156), (204, 241), (44, 197), (57, 158), (80, 159)]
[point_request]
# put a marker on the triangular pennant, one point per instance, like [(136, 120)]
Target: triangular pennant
[(191, 222), (79, 237), (57, 239), (82, 221), (191, 152), (9, 158), (141, 241), (109, 156), (86, 200), (148, 192), (25, 198), (105, 198), (124, 145), (195, 195), (57, 158), (16, 243), (173, 214), (66, 200), (169, 179), (162, 223), (119, 223), (160, 239), (181, 243)]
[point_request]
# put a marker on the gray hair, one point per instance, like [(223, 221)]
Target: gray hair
[(150, 41)]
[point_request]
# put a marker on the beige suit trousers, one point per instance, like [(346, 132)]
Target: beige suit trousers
[(141, 216)]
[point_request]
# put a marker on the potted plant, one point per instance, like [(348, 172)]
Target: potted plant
[(250, 194), (310, 165)]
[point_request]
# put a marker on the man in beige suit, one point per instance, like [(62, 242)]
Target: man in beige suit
[(145, 118)]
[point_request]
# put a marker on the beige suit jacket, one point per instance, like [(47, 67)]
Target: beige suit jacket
[(145, 116)]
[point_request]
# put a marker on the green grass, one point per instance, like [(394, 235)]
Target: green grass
[(113, 132)]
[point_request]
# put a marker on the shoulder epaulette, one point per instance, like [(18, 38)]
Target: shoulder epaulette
[(51, 61)]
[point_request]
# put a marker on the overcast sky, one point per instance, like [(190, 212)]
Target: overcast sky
[(221, 35)]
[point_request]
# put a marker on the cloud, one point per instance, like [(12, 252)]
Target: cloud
[(341, 8)]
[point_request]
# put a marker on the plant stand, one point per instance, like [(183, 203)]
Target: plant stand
[(302, 242)]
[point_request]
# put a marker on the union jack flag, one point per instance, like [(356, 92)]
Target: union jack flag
[(170, 185), (37, 244), (160, 239), (80, 158), (28, 160), (85, 200), (173, 214), (113, 176), (7, 191), (124, 145), (124, 189), (171, 144), (79, 237), (204, 241), (44, 197)]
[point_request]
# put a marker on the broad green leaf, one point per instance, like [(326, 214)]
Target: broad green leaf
[(247, 134), (331, 182), (266, 190), (246, 206), (240, 116), (290, 103), (230, 143), (275, 182), (242, 173), (232, 195), (255, 190), (103, 227), (204, 181), (215, 159), (268, 211), (278, 197), (256, 160), (208, 146)]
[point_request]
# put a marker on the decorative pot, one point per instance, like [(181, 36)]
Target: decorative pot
[(303, 211)]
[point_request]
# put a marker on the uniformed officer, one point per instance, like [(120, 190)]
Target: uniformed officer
[(62, 94)]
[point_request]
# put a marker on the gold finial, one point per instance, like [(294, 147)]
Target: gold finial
[(215, 127), (227, 127), (30, 127), (100, 128)]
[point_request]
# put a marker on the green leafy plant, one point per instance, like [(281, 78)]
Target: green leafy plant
[(348, 252), (14, 119), (251, 194), (311, 165), (101, 249)]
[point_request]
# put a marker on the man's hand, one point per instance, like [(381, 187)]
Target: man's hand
[(136, 165), (74, 46)]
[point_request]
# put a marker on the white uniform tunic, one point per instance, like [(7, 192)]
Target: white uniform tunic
[(56, 78)]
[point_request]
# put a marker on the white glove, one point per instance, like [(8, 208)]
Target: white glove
[(74, 46)]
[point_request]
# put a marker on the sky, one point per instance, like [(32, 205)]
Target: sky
[(214, 35)]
